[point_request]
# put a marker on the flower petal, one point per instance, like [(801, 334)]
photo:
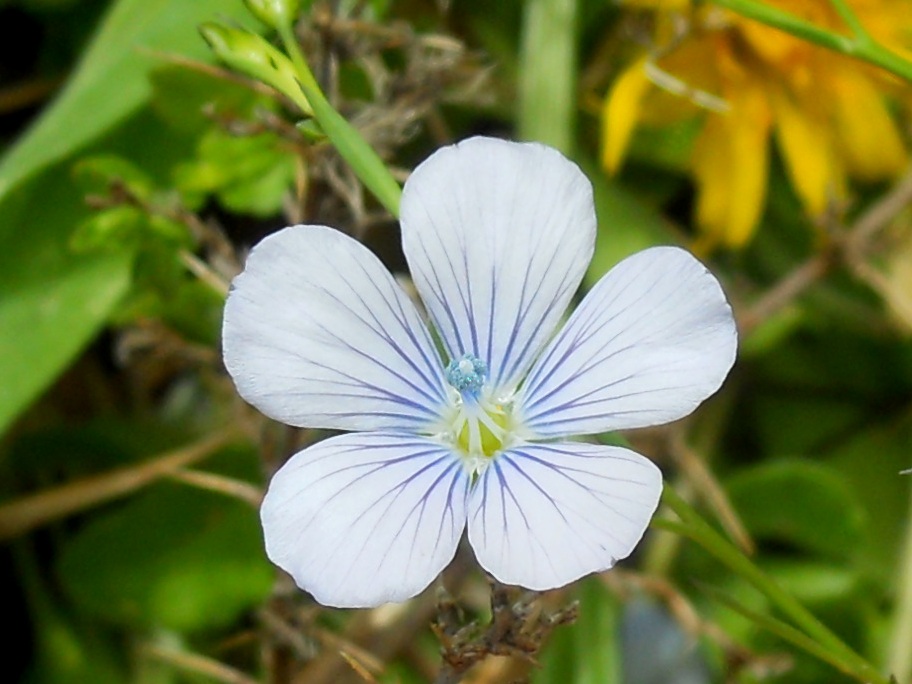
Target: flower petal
[(621, 111), (497, 235), (366, 518), (318, 334), (543, 515), (653, 339)]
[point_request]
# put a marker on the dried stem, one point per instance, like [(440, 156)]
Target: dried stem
[(25, 514), (198, 664), (851, 249), (219, 483), (694, 467), (519, 627)]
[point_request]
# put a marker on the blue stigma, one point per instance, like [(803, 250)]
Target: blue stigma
[(467, 374)]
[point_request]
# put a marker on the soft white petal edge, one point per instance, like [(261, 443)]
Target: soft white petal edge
[(316, 333), (652, 339), (497, 235), (544, 515), (364, 519)]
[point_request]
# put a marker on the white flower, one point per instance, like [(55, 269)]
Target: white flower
[(497, 235)]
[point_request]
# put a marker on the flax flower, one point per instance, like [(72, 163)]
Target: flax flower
[(468, 426), (827, 112)]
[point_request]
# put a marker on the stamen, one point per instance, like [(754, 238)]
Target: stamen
[(467, 375)]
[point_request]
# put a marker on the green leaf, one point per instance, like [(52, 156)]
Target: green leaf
[(173, 557), (586, 652), (111, 230), (53, 301), (787, 632), (111, 81), (97, 174), (814, 583), (248, 174), (798, 502), (65, 650), (187, 99)]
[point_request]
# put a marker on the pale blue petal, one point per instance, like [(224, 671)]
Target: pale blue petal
[(364, 519), (318, 334), (543, 515), (497, 236), (653, 339)]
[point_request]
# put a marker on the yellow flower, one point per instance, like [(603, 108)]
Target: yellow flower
[(826, 111)]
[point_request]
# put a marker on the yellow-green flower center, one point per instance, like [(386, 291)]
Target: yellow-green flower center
[(483, 431)]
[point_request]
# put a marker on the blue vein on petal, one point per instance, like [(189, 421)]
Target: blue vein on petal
[(505, 487), (584, 331), (567, 506), (381, 332), (444, 457), (438, 290), (401, 317), (392, 395)]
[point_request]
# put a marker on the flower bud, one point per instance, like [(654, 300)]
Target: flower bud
[(274, 13), (252, 55)]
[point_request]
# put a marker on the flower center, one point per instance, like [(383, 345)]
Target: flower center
[(467, 374), (480, 426)]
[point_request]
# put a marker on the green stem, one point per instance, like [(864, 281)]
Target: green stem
[(697, 529), (860, 45), (851, 20), (286, 33), (349, 143), (899, 659), (547, 75)]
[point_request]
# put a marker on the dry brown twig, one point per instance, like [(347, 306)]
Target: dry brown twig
[(519, 627), (25, 514), (850, 247)]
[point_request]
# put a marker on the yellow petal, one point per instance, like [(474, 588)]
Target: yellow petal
[(731, 159), (711, 167), (868, 137), (620, 113), (807, 150)]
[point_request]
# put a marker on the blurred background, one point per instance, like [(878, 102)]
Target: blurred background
[(135, 173)]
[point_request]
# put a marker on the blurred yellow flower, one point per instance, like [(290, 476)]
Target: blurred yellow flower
[(827, 111)]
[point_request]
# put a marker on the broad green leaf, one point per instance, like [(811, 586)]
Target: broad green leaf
[(871, 461), (112, 81), (814, 583), (187, 99), (52, 300), (65, 649), (173, 557), (801, 503)]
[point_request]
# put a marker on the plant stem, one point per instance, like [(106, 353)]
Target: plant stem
[(349, 143), (848, 16), (860, 45), (697, 529), (899, 657), (547, 75)]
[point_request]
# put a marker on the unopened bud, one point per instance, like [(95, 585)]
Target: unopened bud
[(252, 55), (274, 13)]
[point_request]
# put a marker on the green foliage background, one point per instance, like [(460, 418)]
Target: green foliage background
[(128, 468)]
